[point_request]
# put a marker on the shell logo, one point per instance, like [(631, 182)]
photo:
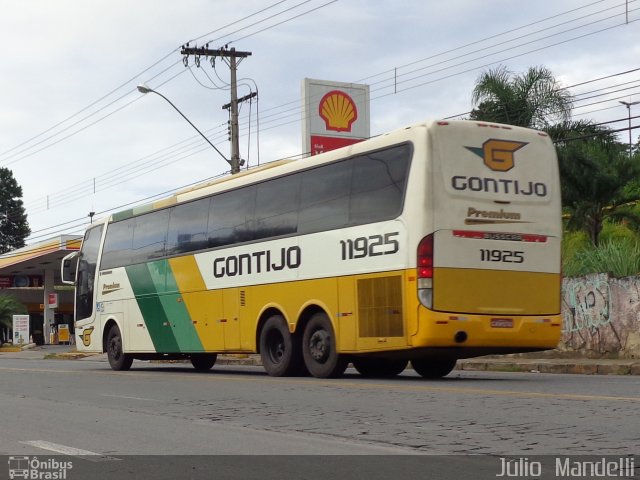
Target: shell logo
[(338, 110)]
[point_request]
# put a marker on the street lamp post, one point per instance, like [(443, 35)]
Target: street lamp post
[(628, 105), (144, 89)]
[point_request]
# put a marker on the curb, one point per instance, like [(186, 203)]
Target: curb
[(17, 349), (622, 367), (68, 355)]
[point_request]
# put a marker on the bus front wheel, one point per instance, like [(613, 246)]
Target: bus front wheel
[(379, 367), (279, 351), (433, 367), (203, 361), (115, 353), (319, 349)]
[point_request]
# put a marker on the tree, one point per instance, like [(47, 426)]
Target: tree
[(9, 307), (14, 228), (598, 184), (532, 99)]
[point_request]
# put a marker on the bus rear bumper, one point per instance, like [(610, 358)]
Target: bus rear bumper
[(494, 333)]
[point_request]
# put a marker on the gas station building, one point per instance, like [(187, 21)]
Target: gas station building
[(32, 275)]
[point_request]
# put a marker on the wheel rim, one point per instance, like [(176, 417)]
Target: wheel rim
[(276, 346), (320, 345)]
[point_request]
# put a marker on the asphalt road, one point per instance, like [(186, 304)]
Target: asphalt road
[(83, 409)]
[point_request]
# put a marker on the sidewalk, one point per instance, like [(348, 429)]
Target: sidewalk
[(542, 362)]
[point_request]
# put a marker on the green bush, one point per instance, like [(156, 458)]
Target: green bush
[(9, 306), (615, 232), (572, 243), (619, 256)]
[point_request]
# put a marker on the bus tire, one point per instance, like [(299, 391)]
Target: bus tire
[(279, 351), (433, 367), (319, 349), (379, 367), (203, 361), (117, 358)]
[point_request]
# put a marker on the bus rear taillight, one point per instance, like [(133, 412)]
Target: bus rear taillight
[(425, 271), (425, 257)]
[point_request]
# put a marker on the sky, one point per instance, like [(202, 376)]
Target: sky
[(80, 138)]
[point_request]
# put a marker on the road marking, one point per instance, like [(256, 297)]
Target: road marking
[(131, 398), (63, 449), (71, 451)]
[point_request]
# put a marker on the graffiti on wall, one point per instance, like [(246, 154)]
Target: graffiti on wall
[(586, 304), (601, 314)]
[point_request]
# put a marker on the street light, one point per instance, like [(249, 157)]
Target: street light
[(142, 88), (628, 105)]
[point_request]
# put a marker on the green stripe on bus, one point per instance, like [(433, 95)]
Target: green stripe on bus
[(152, 310), (174, 308)]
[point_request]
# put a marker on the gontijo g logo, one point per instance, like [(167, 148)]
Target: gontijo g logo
[(86, 336), (498, 154)]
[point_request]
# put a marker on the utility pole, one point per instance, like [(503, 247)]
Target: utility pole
[(233, 59), (629, 105)]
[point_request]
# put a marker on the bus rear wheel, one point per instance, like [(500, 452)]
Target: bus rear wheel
[(433, 367), (115, 353), (279, 351), (378, 367), (319, 349), (203, 361)]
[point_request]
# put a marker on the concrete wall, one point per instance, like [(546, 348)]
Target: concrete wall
[(601, 315)]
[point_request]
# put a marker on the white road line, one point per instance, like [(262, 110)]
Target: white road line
[(71, 451), (131, 398), (62, 449)]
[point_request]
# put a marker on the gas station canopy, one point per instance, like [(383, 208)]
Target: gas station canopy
[(32, 273), (25, 266)]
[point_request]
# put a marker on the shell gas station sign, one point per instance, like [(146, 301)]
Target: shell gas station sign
[(336, 114)]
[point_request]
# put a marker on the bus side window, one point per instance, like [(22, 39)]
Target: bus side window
[(231, 217), (324, 197), (118, 244), (378, 185), (277, 207), (150, 236), (188, 227)]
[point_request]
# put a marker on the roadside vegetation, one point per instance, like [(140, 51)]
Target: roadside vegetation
[(9, 307), (618, 256)]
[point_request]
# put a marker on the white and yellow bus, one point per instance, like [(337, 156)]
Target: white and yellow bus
[(433, 243)]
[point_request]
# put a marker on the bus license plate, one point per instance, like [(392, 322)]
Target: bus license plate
[(502, 323)]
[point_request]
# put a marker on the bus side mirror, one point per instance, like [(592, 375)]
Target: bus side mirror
[(68, 268)]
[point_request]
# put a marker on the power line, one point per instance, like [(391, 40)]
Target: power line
[(295, 111), (9, 156), (296, 16), (274, 125), (393, 78)]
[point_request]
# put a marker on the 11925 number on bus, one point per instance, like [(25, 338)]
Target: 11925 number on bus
[(371, 246), (506, 256)]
